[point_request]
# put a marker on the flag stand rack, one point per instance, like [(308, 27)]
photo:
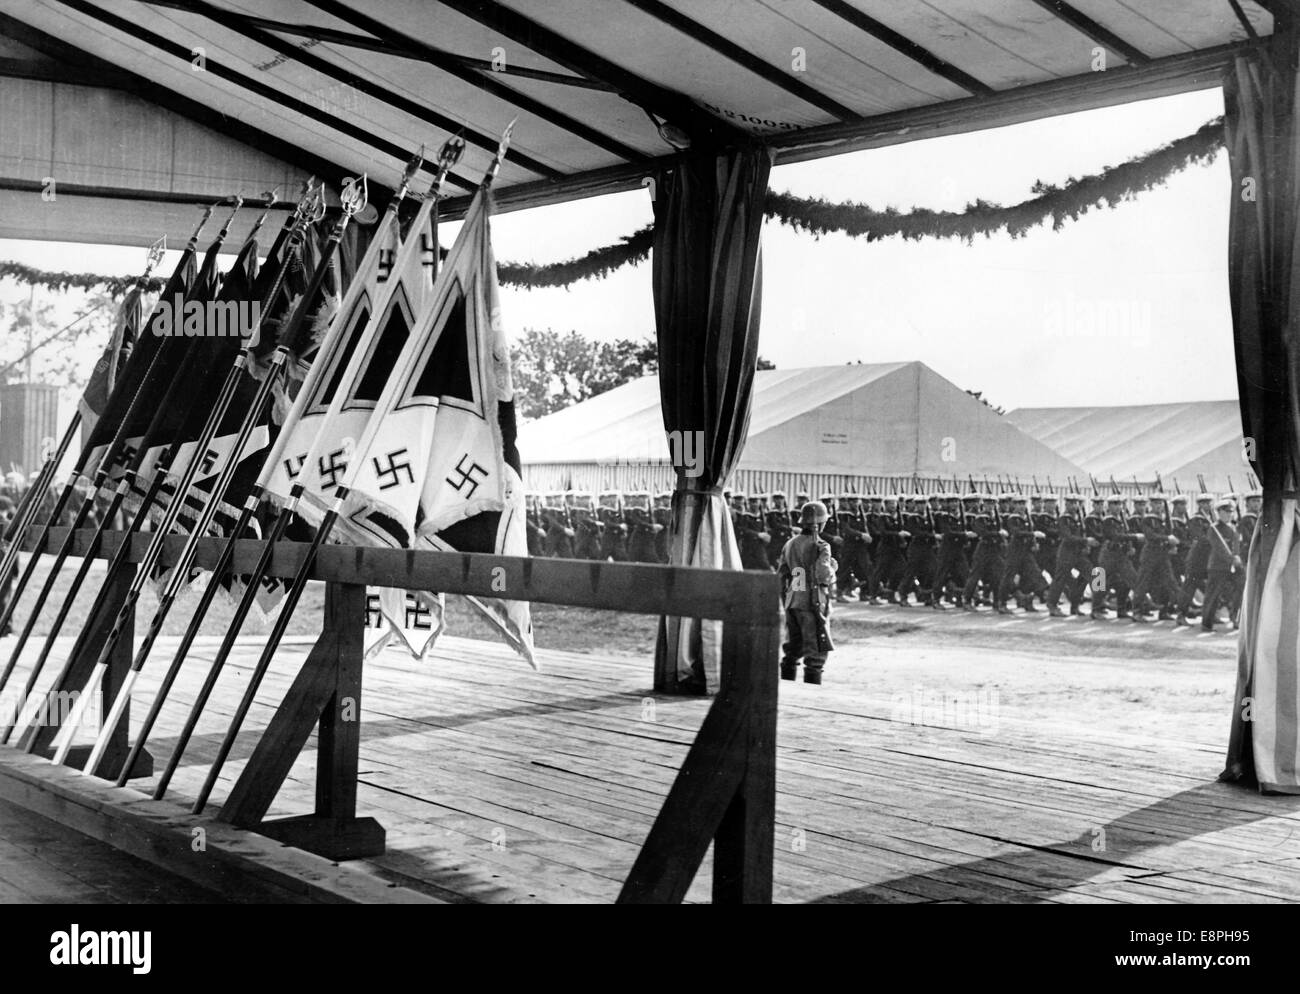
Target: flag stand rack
[(724, 793), (326, 693), (40, 739)]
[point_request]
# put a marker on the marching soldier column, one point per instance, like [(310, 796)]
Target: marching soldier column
[(1141, 557)]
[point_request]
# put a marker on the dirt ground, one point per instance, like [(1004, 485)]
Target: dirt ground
[(1126, 676)]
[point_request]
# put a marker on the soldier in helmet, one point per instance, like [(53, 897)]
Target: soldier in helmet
[(989, 557), (778, 526), (1021, 575), (889, 551), (855, 552), (536, 525), (613, 527), (641, 527), (952, 566), (662, 513), (1073, 567), (922, 561), (807, 573), (752, 535), (1198, 555), (1155, 579), (560, 533), (1224, 567), (587, 523)]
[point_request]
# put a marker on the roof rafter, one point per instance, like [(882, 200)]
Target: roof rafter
[(728, 48), (483, 81), (347, 39), (168, 99), (238, 24), (1102, 35), (300, 107), (901, 43), (667, 104)]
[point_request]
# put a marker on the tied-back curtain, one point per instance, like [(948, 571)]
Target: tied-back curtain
[(1263, 139), (707, 279)]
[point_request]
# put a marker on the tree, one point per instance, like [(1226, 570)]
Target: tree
[(553, 371), (35, 342)]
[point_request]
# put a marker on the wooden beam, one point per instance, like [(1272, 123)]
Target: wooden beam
[(901, 43), (126, 193), (487, 83), (346, 39), (1199, 70), (743, 57), (702, 126), (745, 845), (636, 588), (193, 110), (263, 90), (1124, 84), (1099, 33), (239, 25)]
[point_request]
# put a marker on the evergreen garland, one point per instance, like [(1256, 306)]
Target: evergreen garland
[(1059, 204)]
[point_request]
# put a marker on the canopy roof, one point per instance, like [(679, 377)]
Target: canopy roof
[(1178, 441), (884, 419), (341, 86)]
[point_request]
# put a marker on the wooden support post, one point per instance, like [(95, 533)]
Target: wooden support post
[(327, 692), (119, 664), (725, 791), (744, 847)]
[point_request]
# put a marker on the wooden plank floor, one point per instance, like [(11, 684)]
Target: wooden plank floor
[(499, 784)]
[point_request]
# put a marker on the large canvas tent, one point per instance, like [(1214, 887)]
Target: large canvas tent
[(1176, 442), (873, 427)]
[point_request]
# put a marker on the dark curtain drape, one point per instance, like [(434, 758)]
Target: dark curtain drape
[(707, 280), (1263, 142)]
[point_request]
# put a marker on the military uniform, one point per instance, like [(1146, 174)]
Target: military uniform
[(613, 527), (1155, 577), (1073, 565), (560, 533), (1198, 556), (1116, 557), (1222, 568), (921, 562), (662, 514), (889, 548), (779, 527), (1021, 574), (953, 565), (641, 527), (989, 559), (855, 552)]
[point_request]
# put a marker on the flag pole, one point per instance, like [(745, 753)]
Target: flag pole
[(8, 564), (450, 153), (184, 484), (316, 373), (125, 484), (119, 560)]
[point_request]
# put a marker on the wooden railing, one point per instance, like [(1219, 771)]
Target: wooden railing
[(724, 792)]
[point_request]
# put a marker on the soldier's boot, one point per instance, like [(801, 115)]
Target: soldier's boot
[(1054, 610), (789, 670), (812, 674)]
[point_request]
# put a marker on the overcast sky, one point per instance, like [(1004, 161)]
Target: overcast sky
[(1013, 318)]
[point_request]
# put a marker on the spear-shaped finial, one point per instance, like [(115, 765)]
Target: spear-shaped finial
[(501, 154)]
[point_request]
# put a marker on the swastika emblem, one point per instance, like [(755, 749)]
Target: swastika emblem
[(428, 256), (467, 477), (417, 615), (373, 617), (293, 465), (385, 266), (209, 460), (332, 470), (393, 470)]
